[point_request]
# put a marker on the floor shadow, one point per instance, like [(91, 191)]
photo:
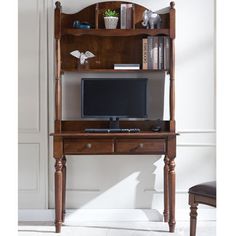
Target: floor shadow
[(35, 223), (36, 231), (124, 228)]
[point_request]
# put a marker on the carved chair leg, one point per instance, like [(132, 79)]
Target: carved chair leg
[(172, 194), (58, 194), (193, 219), (63, 188), (166, 190)]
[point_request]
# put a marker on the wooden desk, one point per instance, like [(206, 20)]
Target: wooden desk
[(69, 138), (70, 142)]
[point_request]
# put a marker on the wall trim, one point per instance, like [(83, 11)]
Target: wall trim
[(82, 190), (196, 131), (98, 215), (196, 145)]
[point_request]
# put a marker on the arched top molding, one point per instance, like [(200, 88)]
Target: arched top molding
[(93, 14)]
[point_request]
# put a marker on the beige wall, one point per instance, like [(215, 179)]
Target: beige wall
[(33, 104)]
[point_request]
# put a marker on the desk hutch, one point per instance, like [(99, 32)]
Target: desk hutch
[(69, 137)]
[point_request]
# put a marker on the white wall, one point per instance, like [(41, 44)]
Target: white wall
[(136, 182)]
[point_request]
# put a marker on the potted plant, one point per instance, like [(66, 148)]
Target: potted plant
[(111, 19)]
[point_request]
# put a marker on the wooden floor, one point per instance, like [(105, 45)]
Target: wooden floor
[(205, 228)]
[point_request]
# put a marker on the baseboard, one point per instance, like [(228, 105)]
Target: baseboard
[(88, 215)]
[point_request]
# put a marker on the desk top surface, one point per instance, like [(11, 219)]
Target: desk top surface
[(146, 134)]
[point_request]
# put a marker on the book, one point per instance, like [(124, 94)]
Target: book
[(150, 52), (145, 52), (126, 10), (161, 53), (123, 16), (155, 53), (166, 53), (129, 10), (126, 66)]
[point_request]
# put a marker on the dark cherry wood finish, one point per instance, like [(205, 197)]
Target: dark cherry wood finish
[(63, 187), (166, 190), (88, 146), (172, 67), (171, 152), (206, 194), (110, 46), (125, 46), (140, 146)]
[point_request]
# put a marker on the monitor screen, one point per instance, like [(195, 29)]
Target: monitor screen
[(114, 97)]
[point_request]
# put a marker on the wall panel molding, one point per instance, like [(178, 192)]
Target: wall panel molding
[(197, 138), (203, 131), (33, 104), (29, 170), (29, 65), (82, 190)]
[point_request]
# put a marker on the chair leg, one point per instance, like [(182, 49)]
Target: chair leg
[(193, 218)]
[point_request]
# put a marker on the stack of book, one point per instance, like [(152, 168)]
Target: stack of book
[(126, 66), (126, 10), (156, 53)]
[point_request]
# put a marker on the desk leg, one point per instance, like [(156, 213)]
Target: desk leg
[(58, 194), (166, 190), (63, 188), (172, 194)]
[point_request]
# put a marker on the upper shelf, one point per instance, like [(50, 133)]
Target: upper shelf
[(94, 15), (115, 32)]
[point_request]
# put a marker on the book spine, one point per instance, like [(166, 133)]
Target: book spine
[(155, 53), (166, 53), (123, 16), (126, 68), (150, 54), (129, 10), (145, 54), (160, 53)]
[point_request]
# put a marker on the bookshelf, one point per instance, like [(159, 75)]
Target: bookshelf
[(113, 46)]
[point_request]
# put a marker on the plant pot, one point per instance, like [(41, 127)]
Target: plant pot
[(110, 22)]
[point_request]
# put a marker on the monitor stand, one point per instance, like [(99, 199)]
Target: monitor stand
[(113, 128), (114, 123)]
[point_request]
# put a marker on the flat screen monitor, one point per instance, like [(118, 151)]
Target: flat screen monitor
[(114, 97)]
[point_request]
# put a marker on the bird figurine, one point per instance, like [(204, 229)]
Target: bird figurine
[(82, 56)]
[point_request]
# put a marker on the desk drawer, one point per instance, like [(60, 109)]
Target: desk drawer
[(88, 146), (140, 146)]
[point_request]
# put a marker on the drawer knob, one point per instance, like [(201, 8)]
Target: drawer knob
[(88, 145), (141, 145)]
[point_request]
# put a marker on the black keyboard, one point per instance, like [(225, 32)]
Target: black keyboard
[(112, 130)]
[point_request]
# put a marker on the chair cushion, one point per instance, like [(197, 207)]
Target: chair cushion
[(207, 189)]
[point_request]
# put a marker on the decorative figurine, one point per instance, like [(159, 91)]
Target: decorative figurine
[(81, 25), (83, 57), (151, 19)]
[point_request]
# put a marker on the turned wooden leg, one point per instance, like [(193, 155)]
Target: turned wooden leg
[(172, 194), (166, 190), (63, 188), (193, 219), (58, 194)]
